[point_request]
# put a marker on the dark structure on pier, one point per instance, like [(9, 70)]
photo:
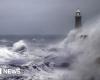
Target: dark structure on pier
[(78, 18)]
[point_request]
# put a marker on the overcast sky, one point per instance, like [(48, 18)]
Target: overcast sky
[(43, 16)]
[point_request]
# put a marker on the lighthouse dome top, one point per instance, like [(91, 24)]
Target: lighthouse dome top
[(77, 10)]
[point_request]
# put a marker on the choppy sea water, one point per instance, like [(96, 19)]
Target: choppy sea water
[(28, 53), (74, 57)]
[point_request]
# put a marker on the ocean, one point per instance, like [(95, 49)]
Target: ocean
[(19, 51), (8, 40), (75, 56)]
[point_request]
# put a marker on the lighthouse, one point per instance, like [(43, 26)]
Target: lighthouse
[(78, 19)]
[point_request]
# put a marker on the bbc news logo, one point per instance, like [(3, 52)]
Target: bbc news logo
[(9, 71)]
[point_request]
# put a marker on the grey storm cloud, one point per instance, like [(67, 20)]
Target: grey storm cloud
[(43, 16)]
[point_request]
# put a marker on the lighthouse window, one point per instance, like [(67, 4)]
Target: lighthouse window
[(78, 14)]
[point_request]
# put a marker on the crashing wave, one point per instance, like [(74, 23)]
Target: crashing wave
[(19, 46)]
